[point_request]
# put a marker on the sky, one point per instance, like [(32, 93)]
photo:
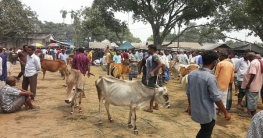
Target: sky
[(49, 10)]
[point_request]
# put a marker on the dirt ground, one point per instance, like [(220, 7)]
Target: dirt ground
[(54, 120)]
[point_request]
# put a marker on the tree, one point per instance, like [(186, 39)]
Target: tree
[(64, 14), (101, 24), (242, 14), (16, 20), (202, 34), (164, 14)]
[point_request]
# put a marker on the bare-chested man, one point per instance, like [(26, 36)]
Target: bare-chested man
[(22, 58)]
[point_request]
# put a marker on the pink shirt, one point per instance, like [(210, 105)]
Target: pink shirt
[(256, 84)]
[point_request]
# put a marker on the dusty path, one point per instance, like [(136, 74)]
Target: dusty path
[(53, 120)]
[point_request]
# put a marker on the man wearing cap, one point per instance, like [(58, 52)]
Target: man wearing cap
[(80, 65), (62, 56)]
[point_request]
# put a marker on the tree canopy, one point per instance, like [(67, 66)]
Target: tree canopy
[(201, 34), (164, 15), (16, 20), (241, 14)]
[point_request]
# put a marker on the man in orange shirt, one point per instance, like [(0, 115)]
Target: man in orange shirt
[(225, 75)]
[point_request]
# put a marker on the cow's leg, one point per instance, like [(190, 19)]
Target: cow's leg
[(134, 120), (80, 97), (44, 73), (129, 121), (107, 105), (72, 106), (100, 106)]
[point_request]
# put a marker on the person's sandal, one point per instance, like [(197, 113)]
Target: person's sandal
[(245, 115), (148, 110), (155, 107), (240, 107)]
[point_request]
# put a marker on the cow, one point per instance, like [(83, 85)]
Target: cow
[(127, 93), (54, 66), (49, 57), (9, 66), (119, 70)]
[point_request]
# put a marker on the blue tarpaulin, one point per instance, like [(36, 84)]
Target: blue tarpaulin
[(125, 46), (69, 42)]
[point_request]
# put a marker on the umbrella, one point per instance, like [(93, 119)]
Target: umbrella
[(53, 45), (37, 45), (72, 47)]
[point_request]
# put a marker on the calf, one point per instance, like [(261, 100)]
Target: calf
[(133, 94), (54, 66), (119, 70)]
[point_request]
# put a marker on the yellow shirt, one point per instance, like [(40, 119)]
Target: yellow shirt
[(108, 57), (224, 74)]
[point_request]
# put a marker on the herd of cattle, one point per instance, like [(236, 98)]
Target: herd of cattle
[(132, 93)]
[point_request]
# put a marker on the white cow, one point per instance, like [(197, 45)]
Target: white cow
[(127, 93), (9, 68)]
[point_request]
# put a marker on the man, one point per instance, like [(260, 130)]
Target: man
[(90, 55), (22, 58), (192, 58), (241, 67), (52, 53), (117, 58), (3, 68), (125, 56), (225, 76), (109, 60), (62, 56), (165, 68), (140, 55), (43, 52), (202, 93), (133, 65), (80, 65), (168, 55), (252, 82), (232, 59), (31, 71), (12, 99), (101, 54), (153, 64)]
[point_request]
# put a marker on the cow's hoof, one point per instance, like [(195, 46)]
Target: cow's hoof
[(136, 132), (100, 122), (71, 113), (80, 111), (111, 120), (76, 106), (130, 126), (67, 101), (168, 106)]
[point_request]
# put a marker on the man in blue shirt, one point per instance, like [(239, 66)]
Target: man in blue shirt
[(3, 68), (117, 58), (203, 94)]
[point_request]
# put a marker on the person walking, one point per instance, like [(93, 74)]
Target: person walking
[(153, 64), (62, 56), (252, 82), (203, 94), (22, 58), (133, 65), (225, 76), (80, 65), (31, 71)]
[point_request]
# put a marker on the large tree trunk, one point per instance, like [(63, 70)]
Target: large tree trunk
[(157, 40)]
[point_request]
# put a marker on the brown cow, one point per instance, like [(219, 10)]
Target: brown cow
[(119, 70), (54, 66)]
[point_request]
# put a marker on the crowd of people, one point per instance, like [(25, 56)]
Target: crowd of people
[(209, 87)]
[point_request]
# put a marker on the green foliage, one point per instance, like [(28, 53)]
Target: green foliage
[(241, 14), (164, 14), (16, 20), (201, 34), (60, 31)]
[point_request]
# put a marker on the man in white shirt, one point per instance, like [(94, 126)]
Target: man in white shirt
[(43, 52), (31, 70), (62, 56)]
